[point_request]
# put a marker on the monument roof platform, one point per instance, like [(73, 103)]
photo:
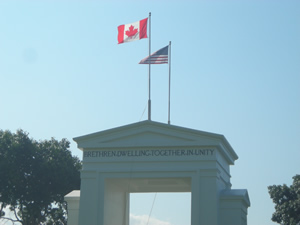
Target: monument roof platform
[(73, 195), (238, 194)]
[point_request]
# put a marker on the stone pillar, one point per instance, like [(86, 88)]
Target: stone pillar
[(116, 204), (233, 207), (89, 199), (72, 200), (205, 198)]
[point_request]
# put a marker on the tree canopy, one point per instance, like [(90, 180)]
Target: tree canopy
[(287, 202), (35, 176)]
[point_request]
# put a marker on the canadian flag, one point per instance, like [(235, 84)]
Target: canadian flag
[(133, 31)]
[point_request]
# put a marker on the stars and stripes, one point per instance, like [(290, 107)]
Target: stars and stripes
[(158, 57)]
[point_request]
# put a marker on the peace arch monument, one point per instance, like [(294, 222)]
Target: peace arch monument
[(154, 157)]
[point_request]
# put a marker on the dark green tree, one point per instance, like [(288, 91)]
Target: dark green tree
[(34, 178), (287, 202)]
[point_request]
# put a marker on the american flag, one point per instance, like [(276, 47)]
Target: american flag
[(158, 57)]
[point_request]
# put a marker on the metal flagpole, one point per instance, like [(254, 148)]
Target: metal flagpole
[(169, 81), (149, 101)]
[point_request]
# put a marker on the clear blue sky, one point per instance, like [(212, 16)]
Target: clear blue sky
[(235, 71)]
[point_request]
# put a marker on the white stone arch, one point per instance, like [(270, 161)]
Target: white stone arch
[(155, 157)]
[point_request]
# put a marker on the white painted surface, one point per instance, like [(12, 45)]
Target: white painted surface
[(155, 157)]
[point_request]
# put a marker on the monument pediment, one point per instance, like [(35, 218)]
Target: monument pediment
[(153, 134)]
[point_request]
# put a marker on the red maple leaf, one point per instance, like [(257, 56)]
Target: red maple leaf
[(131, 32)]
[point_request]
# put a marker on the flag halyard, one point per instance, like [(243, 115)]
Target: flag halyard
[(158, 57)]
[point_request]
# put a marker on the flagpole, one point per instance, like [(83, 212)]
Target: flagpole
[(169, 82), (149, 101)]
